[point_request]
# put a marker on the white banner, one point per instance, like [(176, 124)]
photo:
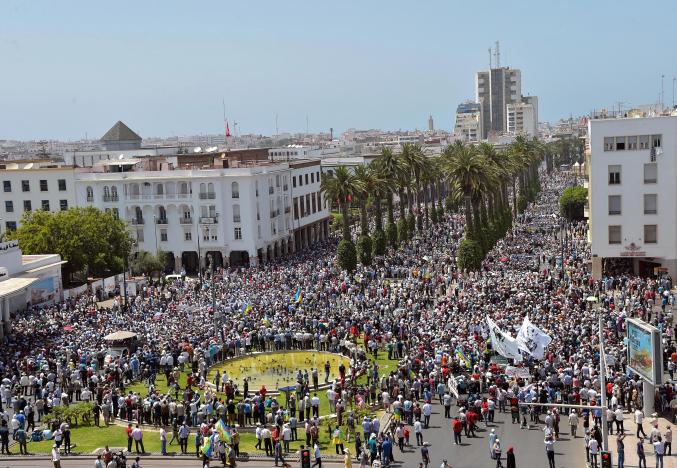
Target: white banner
[(520, 372), (532, 339), (503, 343)]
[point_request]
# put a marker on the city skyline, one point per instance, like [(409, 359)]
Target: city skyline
[(78, 67)]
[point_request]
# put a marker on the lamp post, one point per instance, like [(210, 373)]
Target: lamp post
[(594, 301)]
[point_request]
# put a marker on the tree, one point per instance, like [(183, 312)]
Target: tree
[(147, 263), (388, 166), (339, 187), (572, 202), (90, 240)]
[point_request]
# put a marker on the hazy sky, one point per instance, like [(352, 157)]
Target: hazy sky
[(74, 67)]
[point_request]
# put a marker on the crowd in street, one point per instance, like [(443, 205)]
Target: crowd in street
[(412, 304)]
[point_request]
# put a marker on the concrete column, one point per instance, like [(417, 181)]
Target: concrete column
[(177, 262)]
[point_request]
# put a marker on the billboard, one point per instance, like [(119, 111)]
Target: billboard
[(644, 351)]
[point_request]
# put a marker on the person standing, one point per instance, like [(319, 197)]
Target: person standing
[(550, 451), (129, 431), (641, 456), (497, 453), (184, 432), (20, 437), (137, 434), (347, 461), (594, 450), (457, 427), (425, 454), (667, 441), (163, 441), (510, 458), (4, 438), (620, 449), (639, 419), (573, 422), (318, 456), (659, 451), (56, 456)]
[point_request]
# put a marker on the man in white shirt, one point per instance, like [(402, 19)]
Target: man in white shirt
[(593, 445), (639, 419), (427, 410), (619, 419), (56, 456), (573, 422)]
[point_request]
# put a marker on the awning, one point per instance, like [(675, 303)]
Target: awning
[(120, 335), (45, 267), (14, 285)]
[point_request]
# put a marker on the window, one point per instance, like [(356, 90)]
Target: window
[(238, 233), (6, 185), (296, 207), (650, 203), (236, 213), (10, 226), (277, 181), (614, 204), (650, 173), (293, 182), (306, 179), (188, 235), (25, 186), (656, 141), (608, 143), (62, 185), (106, 193), (116, 213), (63, 205), (9, 206), (114, 193), (313, 204), (614, 175), (163, 235), (43, 185), (644, 142), (650, 233), (303, 207), (139, 235), (27, 205), (614, 234), (90, 194), (300, 180), (259, 229), (632, 143), (312, 177), (319, 201), (45, 205), (256, 185), (235, 190), (620, 143)]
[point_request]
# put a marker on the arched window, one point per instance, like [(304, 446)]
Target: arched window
[(236, 213), (162, 213), (114, 193), (106, 192), (90, 194), (183, 188), (159, 189), (235, 190), (138, 215)]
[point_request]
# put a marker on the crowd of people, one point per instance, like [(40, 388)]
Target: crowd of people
[(412, 304)]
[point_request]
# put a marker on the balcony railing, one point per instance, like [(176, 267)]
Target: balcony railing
[(207, 195), (271, 190), (162, 221), (186, 220), (236, 219), (137, 221), (209, 220), (90, 199), (287, 209), (236, 194), (285, 187)]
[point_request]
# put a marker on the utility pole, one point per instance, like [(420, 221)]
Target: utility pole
[(602, 380)]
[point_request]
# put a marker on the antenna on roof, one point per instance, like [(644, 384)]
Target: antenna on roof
[(498, 55), (490, 58), (277, 130)]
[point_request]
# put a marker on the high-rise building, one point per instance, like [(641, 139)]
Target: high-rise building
[(431, 125), (494, 90), (523, 117)]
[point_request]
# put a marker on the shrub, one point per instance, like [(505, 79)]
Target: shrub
[(379, 242), (347, 255), (364, 246), (470, 255)]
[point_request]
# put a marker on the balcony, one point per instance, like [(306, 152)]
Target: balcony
[(236, 194), (287, 209), (137, 221), (271, 190), (161, 221), (110, 198), (207, 195), (236, 219), (285, 187), (186, 221), (90, 199), (209, 220)]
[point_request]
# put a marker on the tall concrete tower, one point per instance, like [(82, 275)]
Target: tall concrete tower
[(431, 126)]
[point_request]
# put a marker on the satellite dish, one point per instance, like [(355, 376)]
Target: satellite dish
[(28, 166), (122, 156), (211, 149), (197, 149)]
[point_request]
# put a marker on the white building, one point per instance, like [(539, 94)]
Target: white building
[(522, 119), (26, 280), (469, 122), (632, 194)]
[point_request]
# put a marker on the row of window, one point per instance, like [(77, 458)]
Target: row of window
[(310, 204), (314, 176), (630, 143), (28, 206), (26, 185), (650, 173), (650, 204), (650, 234)]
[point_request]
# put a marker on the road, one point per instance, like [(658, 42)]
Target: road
[(474, 452)]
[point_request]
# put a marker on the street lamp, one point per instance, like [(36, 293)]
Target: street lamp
[(596, 307)]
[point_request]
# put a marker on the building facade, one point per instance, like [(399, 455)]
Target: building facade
[(522, 119), (632, 164), (469, 122), (494, 90)]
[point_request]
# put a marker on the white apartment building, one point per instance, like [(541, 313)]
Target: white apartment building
[(522, 119), (241, 215), (632, 194), (469, 121)]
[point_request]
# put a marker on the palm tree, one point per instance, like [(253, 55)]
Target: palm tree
[(339, 187), (412, 161), (368, 187), (388, 167)]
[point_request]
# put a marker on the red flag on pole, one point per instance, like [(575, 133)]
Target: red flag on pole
[(227, 130)]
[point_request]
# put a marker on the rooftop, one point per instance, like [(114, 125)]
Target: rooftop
[(120, 132)]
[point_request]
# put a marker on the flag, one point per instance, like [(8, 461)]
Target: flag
[(298, 296), (532, 339), (503, 343), (207, 447), (462, 357), (227, 129), (224, 432), (247, 308)]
